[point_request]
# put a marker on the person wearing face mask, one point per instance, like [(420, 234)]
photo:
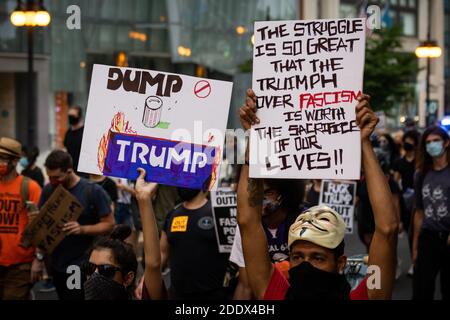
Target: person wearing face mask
[(95, 219), (316, 239), (111, 268), (74, 136), (30, 169), (19, 266), (282, 199), (431, 246), (189, 248)]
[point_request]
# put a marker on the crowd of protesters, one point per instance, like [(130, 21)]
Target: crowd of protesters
[(286, 245)]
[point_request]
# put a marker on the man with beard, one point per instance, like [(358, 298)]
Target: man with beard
[(19, 266), (96, 219), (316, 238)]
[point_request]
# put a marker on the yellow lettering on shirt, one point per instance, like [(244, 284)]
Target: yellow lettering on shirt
[(179, 224)]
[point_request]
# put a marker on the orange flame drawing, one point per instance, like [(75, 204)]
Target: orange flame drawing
[(119, 125), (216, 164)]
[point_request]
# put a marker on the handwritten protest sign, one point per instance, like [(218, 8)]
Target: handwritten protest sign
[(224, 203), (307, 76), (45, 231), (171, 125), (340, 196)]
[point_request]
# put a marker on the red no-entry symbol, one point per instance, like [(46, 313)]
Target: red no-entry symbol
[(202, 89)]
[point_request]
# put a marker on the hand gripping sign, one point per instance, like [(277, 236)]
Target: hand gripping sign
[(154, 120)]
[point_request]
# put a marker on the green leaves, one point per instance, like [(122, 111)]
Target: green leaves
[(389, 74)]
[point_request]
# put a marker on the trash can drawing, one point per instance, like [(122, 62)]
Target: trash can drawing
[(152, 111)]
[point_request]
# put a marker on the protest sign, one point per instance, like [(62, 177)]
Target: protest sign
[(45, 231), (224, 204), (340, 196), (171, 125), (307, 77)]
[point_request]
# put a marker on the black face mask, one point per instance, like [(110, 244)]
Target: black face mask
[(310, 283), (187, 194), (408, 146), (73, 120), (99, 287)]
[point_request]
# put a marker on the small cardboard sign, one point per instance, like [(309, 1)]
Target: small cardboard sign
[(224, 204), (45, 231), (340, 196)]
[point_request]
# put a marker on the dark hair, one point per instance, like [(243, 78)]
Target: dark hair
[(123, 253), (339, 250), (32, 154), (424, 160), (292, 192), (59, 159), (78, 108), (413, 135)]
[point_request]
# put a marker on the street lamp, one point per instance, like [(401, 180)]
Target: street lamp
[(30, 14), (428, 49)]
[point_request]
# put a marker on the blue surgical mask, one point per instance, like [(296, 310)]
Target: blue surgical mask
[(435, 148), (24, 162)]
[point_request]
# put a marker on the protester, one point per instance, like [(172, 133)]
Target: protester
[(316, 238), (74, 136), (96, 219), (30, 169), (189, 247), (111, 268), (281, 206), (19, 267), (431, 246)]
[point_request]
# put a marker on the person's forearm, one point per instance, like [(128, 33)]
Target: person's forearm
[(249, 199), (129, 190), (381, 200), (98, 229), (417, 223), (150, 232)]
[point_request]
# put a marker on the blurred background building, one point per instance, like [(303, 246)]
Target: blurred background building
[(208, 38)]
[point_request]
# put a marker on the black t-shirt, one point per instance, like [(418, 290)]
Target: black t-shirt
[(406, 170), (73, 248), (34, 174), (110, 187), (72, 142), (196, 266), (366, 222)]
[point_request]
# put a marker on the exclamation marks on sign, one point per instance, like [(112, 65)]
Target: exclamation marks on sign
[(338, 161), (17, 219)]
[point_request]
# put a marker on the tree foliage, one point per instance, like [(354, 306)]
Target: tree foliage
[(389, 73)]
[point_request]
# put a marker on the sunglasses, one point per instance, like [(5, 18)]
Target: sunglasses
[(106, 270)]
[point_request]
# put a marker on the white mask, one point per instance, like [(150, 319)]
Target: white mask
[(320, 225)]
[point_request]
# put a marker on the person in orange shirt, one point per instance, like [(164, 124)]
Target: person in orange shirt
[(19, 267)]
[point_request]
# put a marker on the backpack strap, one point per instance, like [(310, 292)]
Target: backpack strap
[(24, 191)]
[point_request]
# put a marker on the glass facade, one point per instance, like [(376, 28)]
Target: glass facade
[(399, 12)]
